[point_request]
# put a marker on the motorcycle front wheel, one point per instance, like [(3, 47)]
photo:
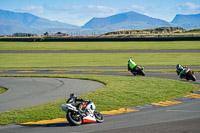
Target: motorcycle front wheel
[(142, 72), (74, 118), (98, 116), (193, 77)]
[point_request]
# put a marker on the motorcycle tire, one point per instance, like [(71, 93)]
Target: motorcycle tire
[(134, 73), (193, 77), (187, 78), (98, 116), (74, 118), (142, 73)]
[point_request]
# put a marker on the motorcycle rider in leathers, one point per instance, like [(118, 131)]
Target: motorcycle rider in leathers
[(73, 100), (181, 70), (132, 66)]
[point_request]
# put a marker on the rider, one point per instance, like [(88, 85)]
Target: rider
[(132, 66), (180, 70), (73, 100)]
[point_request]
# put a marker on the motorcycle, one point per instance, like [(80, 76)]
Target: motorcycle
[(189, 75), (75, 118), (138, 71)]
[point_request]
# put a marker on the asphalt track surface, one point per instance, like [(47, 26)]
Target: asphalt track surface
[(25, 92), (180, 118)]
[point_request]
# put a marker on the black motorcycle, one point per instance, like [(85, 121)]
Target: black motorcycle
[(189, 75), (138, 71)]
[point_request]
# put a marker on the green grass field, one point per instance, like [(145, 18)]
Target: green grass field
[(20, 46), (120, 91), (97, 59)]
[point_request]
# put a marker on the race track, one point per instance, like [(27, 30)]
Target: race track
[(183, 117), (25, 92)]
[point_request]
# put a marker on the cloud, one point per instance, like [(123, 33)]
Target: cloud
[(86, 11), (147, 14), (68, 8), (89, 9), (32, 9), (189, 7), (101, 11), (136, 7)]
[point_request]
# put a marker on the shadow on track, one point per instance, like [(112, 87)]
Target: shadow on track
[(63, 124)]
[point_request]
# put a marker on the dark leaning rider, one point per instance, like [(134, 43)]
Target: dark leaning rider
[(132, 66), (73, 100), (180, 70)]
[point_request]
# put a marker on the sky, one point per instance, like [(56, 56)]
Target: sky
[(78, 12)]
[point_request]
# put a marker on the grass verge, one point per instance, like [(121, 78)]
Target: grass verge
[(97, 59), (2, 90), (21, 46), (120, 91), (89, 70)]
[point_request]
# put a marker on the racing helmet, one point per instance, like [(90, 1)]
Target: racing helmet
[(73, 95), (178, 66)]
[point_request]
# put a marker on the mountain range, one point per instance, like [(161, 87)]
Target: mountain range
[(187, 21), (13, 22), (128, 20)]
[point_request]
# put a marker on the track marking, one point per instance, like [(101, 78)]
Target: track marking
[(59, 71), (193, 96), (26, 71), (119, 111), (167, 103), (57, 120)]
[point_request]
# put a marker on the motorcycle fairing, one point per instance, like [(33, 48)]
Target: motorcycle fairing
[(65, 107), (187, 70), (88, 119)]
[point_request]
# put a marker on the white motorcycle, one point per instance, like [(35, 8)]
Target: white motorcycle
[(76, 118)]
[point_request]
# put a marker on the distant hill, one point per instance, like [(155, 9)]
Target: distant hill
[(12, 22), (187, 21), (128, 20)]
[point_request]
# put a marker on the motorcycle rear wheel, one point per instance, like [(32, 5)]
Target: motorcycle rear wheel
[(74, 118)]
